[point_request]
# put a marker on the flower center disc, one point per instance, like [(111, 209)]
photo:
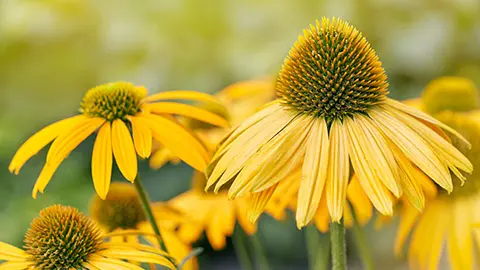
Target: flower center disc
[(121, 209), (332, 72), (61, 238), (113, 101)]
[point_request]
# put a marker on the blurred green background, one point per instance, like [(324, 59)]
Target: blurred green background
[(51, 52)]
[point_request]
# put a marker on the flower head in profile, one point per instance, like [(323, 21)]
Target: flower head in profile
[(446, 224), (63, 238), (127, 121), (215, 213), (332, 119), (121, 213)]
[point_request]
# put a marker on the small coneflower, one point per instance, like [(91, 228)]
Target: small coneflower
[(120, 111), (122, 212), (63, 238), (333, 118), (445, 226)]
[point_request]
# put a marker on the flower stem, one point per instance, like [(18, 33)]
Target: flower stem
[(337, 240), (318, 248), (362, 246), (241, 249), (259, 253), (148, 211)]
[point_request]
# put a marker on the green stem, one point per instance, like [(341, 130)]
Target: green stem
[(240, 245), (144, 199), (318, 248), (259, 253), (337, 239), (362, 246)]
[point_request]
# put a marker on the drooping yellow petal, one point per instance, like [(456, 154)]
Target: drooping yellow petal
[(408, 218), (242, 207), (220, 225), (38, 141), (314, 173), (62, 147), (459, 241), (178, 249), (111, 264), (413, 147), (437, 236), (160, 157), (11, 253), (259, 202), (188, 111), (179, 140), (322, 217), (337, 171), (142, 136), (184, 94), (364, 167), (124, 150), (128, 252), (16, 265), (361, 204), (102, 161), (277, 153)]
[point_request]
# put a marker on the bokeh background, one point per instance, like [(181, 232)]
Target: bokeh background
[(52, 51)]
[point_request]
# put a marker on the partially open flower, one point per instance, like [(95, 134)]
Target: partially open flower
[(333, 111), (120, 111), (63, 238)]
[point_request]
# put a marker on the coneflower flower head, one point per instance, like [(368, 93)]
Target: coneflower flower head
[(332, 72), (333, 111)]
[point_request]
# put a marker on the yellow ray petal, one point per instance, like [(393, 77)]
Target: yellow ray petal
[(425, 117), (361, 204), (111, 264), (322, 218), (70, 138), (220, 225), (184, 94), (124, 150), (188, 111), (242, 207), (11, 253), (408, 218), (244, 147), (179, 140), (160, 157), (259, 202), (284, 194), (337, 171), (245, 89), (102, 161), (132, 254), (142, 136), (437, 237), (459, 241), (314, 173), (409, 180), (14, 265), (414, 148), (178, 249), (364, 167), (284, 151), (38, 141)]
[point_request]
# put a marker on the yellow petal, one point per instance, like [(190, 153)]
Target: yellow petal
[(413, 147), (184, 94), (178, 249), (314, 173), (337, 171), (259, 202), (409, 180), (124, 150), (365, 168), (459, 241), (38, 141), (102, 161), (132, 254), (111, 264), (322, 218), (20, 265), (221, 225), (242, 206), (179, 141), (188, 111), (408, 218), (11, 253), (160, 157), (437, 238), (142, 136)]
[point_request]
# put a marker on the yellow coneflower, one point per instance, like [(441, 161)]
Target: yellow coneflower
[(241, 99), (63, 238), (122, 211), (215, 212), (111, 108), (333, 111), (446, 222)]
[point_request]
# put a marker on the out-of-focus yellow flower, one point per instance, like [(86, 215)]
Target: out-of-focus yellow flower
[(446, 222), (63, 238), (111, 108), (333, 111), (121, 211), (215, 212)]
